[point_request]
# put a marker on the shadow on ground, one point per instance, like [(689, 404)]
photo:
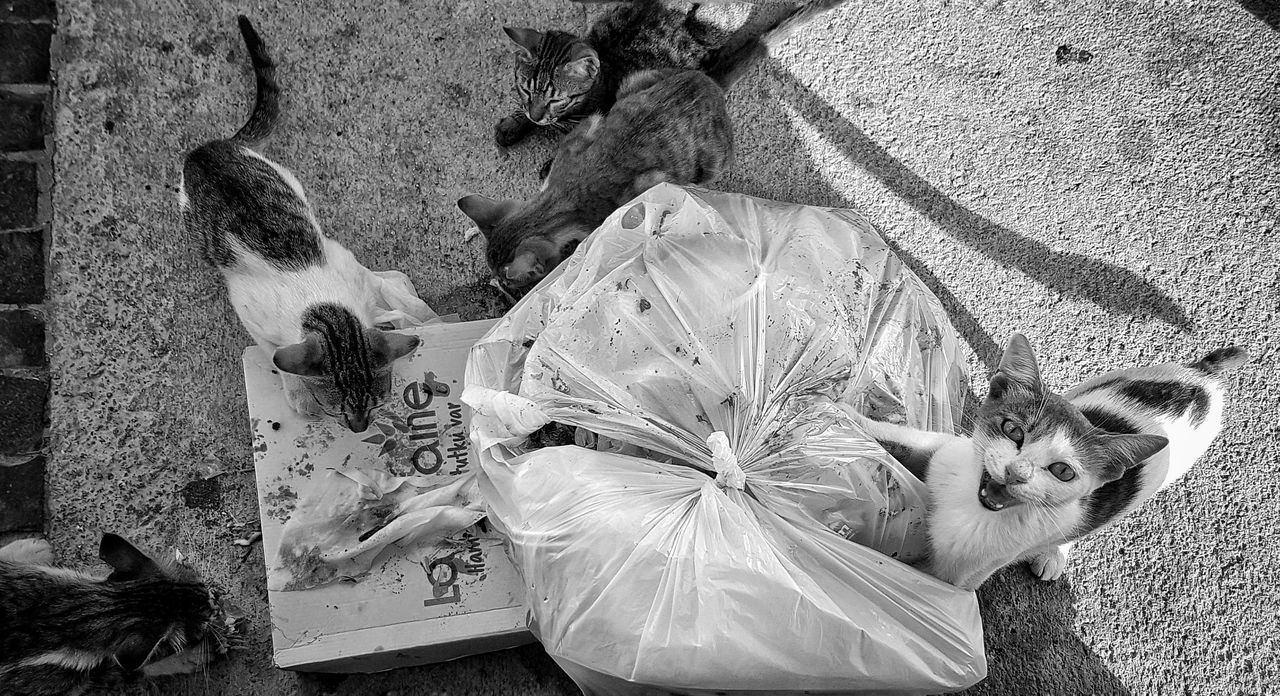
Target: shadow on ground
[(1115, 289), (1266, 10), (1030, 638), (1032, 646), (532, 661)]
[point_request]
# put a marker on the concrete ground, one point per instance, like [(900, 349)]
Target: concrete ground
[(1104, 177)]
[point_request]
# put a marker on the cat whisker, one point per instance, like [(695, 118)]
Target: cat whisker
[(1044, 505)]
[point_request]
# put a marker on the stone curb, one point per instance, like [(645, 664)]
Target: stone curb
[(26, 31)]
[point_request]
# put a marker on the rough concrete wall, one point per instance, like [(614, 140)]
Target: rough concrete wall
[(1118, 207)]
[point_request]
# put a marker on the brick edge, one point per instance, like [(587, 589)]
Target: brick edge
[(24, 238)]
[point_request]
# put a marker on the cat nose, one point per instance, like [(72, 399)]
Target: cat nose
[(1014, 476), (358, 424)]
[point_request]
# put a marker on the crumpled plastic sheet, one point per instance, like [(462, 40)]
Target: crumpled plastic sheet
[(730, 529), (398, 304), (348, 518)]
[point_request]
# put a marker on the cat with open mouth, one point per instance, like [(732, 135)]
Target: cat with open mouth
[(1041, 470)]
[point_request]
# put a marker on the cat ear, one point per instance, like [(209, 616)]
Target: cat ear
[(1017, 368), (584, 68), (1128, 450), (304, 359), (129, 563), (528, 39), (484, 211), (389, 347)]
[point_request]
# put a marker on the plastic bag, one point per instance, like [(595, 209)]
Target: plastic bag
[(741, 540), (349, 517), (398, 304)]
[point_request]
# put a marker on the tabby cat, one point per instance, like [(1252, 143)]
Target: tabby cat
[(302, 296), (667, 126), (562, 78), (62, 631), (1042, 470)]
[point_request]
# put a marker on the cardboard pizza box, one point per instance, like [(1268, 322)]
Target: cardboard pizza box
[(461, 600)]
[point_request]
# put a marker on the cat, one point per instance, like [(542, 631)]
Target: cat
[(62, 631), (561, 78), (303, 297), (666, 126), (1042, 470)]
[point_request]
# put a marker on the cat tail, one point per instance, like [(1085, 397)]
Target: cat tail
[(731, 64), (1221, 360), (266, 105)]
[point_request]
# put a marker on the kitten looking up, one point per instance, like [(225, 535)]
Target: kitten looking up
[(303, 297), (1042, 470)]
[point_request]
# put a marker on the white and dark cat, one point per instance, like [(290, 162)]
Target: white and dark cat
[(63, 631), (1042, 470), (302, 296)]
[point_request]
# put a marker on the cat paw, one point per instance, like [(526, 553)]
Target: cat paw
[(1048, 564), (511, 130), (28, 552)]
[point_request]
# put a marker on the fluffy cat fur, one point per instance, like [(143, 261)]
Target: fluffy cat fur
[(561, 78), (666, 126), (1042, 470), (302, 296), (63, 631)]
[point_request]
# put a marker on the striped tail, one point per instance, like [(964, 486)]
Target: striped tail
[(1221, 360), (731, 64), (266, 106)]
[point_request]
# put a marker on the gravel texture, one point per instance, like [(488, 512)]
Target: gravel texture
[(1104, 177)]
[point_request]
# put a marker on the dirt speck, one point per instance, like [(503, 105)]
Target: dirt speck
[(203, 47), (457, 94), (203, 494), (280, 504), (1067, 54)]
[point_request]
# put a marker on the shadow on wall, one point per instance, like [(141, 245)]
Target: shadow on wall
[(1115, 289)]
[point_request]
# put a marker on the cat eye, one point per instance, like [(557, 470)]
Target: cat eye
[(1062, 471), (1013, 431)]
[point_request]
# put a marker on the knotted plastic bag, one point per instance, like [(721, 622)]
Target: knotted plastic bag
[(742, 539)]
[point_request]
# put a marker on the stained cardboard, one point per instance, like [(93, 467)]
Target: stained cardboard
[(462, 600)]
